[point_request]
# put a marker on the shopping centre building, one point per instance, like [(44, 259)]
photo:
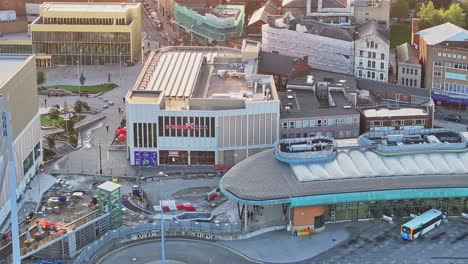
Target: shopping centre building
[(200, 106), (308, 182), (18, 84)]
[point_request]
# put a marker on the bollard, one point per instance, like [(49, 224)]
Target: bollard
[(28, 237), (39, 228)]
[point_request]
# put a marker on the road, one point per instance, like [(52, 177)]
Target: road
[(440, 122), (185, 251)]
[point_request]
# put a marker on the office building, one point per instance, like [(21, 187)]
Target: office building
[(409, 70), (87, 33), (372, 47), (200, 106), (18, 84)]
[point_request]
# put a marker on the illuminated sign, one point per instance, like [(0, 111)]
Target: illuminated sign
[(187, 126)]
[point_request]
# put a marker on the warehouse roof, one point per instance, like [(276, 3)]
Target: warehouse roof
[(262, 177)]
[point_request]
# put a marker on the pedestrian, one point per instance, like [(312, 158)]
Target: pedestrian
[(120, 110), (123, 100), (107, 128), (45, 103)]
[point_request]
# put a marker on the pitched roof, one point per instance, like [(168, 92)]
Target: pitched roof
[(444, 32), (372, 27), (325, 30), (262, 14), (406, 53), (294, 3)]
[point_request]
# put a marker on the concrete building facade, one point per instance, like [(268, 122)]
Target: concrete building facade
[(87, 33), (372, 47), (409, 70), (18, 84), (200, 106), (366, 10)]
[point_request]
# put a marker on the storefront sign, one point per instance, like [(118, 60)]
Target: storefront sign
[(188, 126), (146, 158), (173, 153)]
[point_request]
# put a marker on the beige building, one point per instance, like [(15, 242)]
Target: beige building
[(409, 70), (87, 33), (18, 83)]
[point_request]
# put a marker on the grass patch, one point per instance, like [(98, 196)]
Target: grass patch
[(399, 34), (91, 89), (48, 122)]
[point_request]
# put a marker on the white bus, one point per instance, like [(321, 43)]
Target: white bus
[(421, 224)]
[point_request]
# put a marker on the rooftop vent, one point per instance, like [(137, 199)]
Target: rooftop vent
[(287, 108), (347, 107), (290, 97)]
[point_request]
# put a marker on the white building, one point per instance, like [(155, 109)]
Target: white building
[(336, 12), (18, 84), (328, 48), (200, 106), (372, 51)]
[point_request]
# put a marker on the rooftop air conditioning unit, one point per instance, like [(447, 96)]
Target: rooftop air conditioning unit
[(289, 91), (290, 97), (287, 108)]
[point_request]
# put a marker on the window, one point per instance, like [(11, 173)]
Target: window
[(415, 83), (415, 71), (368, 44), (373, 64), (373, 75), (319, 122), (397, 97), (28, 162), (439, 54), (355, 120), (444, 54), (291, 135), (374, 55), (368, 74), (298, 135), (437, 73), (305, 123), (361, 53), (398, 122), (449, 55), (406, 81), (411, 82), (342, 121), (360, 73), (419, 122), (402, 81), (312, 123), (298, 124), (372, 44), (376, 123), (369, 54), (360, 63), (304, 135), (284, 136), (324, 122), (37, 151), (336, 121), (381, 76), (349, 120), (382, 65), (285, 124), (403, 69), (376, 46), (291, 124), (369, 64), (382, 56), (411, 71), (331, 121)]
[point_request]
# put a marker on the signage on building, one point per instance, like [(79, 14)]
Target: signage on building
[(146, 158), (188, 126), (173, 153)]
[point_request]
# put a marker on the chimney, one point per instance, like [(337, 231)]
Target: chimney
[(414, 29)]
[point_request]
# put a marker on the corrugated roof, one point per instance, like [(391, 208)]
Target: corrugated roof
[(444, 32)]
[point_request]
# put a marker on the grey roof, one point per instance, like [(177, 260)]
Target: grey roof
[(306, 104), (325, 30), (370, 85), (294, 3), (406, 53), (275, 63), (444, 32), (348, 81), (9, 65), (269, 9), (261, 177), (334, 3), (372, 27)]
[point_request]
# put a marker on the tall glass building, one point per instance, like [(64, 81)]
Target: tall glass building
[(87, 33)]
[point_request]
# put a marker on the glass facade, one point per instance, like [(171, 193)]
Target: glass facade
[(89, 48), (15, 49)]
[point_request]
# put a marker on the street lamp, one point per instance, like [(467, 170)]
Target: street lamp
[(163, 247), (191, 35), (120, 68), (100, 159), (78, 70), (81, 66)]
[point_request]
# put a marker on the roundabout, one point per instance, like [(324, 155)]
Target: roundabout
[(178, 251)]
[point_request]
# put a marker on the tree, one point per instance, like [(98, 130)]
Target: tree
[(54, 113), (78, 107), (82, 79), (41, 78), (465, 10), (51, 142), (455, 15), (400, 9), (429, 16)]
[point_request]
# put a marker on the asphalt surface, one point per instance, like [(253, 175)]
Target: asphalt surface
[(186, 251), (440, 114)]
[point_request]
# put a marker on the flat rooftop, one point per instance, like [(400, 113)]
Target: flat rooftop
[(262, 177), (387, 112), (304, 103), (22, 36), (87, 7), (9, 65)]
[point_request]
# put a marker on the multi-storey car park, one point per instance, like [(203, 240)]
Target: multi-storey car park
[(311, 181), (200, 106)]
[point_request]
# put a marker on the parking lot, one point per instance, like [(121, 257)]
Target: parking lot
[(379, 242)]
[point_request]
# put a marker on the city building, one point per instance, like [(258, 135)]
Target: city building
[(394, 118), (281, 67), (409, 70), (296, 7), (200, 106), (443, 52), (260, 18), (306, 183), (328, 48), (365, 10), (87, 33), (335, 12), (18, 84), (15, 43), (372, 46), (210, 25), (318, 103)]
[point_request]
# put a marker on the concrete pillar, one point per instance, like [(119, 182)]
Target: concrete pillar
[(246, 212), (39, 228), (28, 236)]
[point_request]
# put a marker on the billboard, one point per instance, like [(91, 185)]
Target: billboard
[(146, 158)]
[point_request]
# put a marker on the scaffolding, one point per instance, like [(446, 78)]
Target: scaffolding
[(218, 24)]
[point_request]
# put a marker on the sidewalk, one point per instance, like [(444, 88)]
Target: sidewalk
[(282, 247)]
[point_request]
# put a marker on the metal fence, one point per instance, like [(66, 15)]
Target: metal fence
[(113, 239)]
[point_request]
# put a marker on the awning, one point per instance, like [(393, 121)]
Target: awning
[(450, 100)]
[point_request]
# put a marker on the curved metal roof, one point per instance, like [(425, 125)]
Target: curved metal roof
[(261, 178)]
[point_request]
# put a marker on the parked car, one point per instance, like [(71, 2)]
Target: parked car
[(453, 117)]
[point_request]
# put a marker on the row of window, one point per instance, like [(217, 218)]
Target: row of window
[(144, 135), (415, 122), (372, 55), (449, 55), (451, 87), (371, 64), (186, 126), (453, 65), (340, 134), (81, 37), (409, 82), (372, 45), (320, 122), (33, 156), (83, 21), (409, 71), (371, 75)]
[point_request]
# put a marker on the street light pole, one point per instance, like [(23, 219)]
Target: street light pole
[(120, 68), (78, 70), (163, 246), (191, 35), (81, 61), (100, 159)]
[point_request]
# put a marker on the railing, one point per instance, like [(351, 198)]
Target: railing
[(113, 239)]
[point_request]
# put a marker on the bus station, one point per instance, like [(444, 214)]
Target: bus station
[(306, 183)]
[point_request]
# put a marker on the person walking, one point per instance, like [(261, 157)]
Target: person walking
[(45, 103), (123, 100), (107, 128), (120, 110)]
